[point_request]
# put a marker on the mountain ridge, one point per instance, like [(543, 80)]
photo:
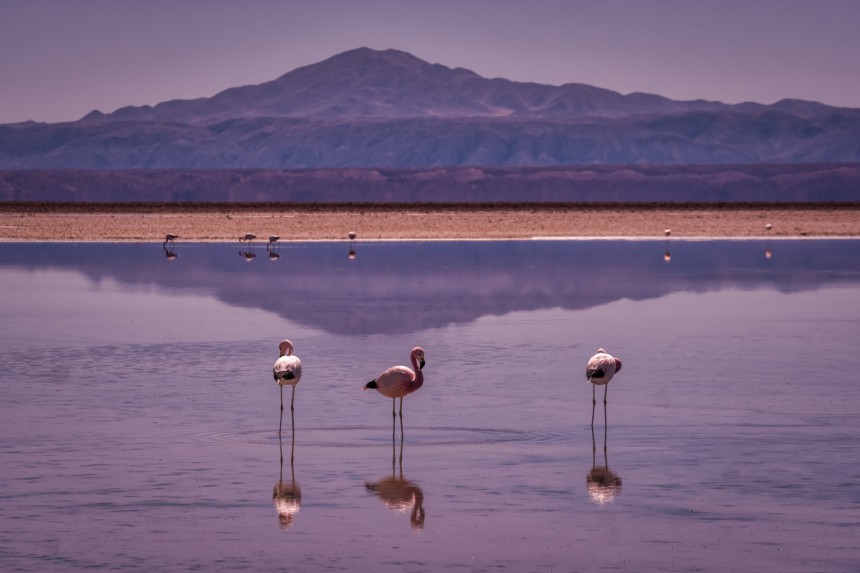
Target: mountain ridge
[(368, 108)]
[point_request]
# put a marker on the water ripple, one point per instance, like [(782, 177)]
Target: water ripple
[(369, 436)]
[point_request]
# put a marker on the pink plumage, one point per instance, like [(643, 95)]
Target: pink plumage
[(399, 381)]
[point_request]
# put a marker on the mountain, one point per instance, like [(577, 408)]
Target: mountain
[(389, 109)]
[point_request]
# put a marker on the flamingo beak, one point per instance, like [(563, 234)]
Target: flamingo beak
[(421, 365)]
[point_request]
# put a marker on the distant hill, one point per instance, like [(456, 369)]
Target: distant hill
[(806, 182), (388, 109)]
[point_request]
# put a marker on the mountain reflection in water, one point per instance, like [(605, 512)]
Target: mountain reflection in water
[(409, 286)]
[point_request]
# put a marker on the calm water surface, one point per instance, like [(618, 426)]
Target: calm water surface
[(140, 421)]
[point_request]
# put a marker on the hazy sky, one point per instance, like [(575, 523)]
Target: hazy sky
[(60, 59)]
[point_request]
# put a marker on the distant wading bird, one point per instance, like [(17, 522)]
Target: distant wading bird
[(247, 238), (287, 370), (398, 381), (169, 238), (599, 371)]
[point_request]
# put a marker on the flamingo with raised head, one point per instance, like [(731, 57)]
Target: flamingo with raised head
[(400, 381), (287, 370), (599, 372)]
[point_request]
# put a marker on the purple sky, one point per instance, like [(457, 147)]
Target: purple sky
[(61, 59)]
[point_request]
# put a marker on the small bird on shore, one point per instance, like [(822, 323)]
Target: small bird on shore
[(667, 232), (768, 227), (399, 381), (599, 371)]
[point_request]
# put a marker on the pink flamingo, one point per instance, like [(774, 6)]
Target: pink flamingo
[(398, 381), (599, 371), (287, 370)]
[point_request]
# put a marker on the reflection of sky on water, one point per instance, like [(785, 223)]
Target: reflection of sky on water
[(138, 406)]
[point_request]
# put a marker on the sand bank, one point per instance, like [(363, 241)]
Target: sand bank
[(303, 222)]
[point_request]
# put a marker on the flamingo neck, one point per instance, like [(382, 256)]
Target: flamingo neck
[(419, 374)]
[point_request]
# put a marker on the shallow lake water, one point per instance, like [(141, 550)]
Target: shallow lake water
[(140, 420)]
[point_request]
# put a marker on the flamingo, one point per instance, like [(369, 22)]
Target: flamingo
[(768, 227), (398, 381), (287, 370), (351, 235), (599, 372), (169, 238), (273, 239), (247, 237)]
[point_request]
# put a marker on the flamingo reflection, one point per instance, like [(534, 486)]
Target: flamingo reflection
[(287, 496), (398, 493), (352, 253), (168, 245), (271, 248), (602, 483), (667, 256)]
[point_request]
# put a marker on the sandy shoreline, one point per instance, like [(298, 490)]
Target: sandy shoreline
[(314, 222)]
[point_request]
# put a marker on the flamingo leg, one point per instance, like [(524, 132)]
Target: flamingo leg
[(605, 390), (401, 409), (293, 399), (281, 421), (593, 404), (605, 426)]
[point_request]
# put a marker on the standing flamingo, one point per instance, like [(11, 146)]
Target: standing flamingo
[(287, 370), (398, 381), (599, 371)]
